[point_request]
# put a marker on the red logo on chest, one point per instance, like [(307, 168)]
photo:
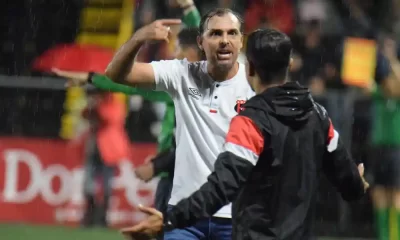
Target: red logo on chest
[(239, 105)]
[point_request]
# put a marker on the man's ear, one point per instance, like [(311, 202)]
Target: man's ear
[(291, 62), (200, 42)]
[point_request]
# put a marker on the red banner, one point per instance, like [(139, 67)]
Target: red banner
[(41, 182)]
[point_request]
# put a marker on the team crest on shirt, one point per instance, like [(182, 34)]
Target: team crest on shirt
[(194, 93), (239, 105)]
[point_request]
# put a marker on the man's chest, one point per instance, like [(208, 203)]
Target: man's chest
[(224, 101)]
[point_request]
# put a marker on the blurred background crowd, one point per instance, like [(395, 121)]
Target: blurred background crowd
[(342, 49)]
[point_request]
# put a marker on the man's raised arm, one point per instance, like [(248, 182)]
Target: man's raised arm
[(124, 69)]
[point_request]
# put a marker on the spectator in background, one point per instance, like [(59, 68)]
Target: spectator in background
[(310, 51), (321, 10), (337, 101), (309, 10), (278, 14), (337, 94), (309, 58), (236, 5), (107, 146), (386, 141), (355, 17)]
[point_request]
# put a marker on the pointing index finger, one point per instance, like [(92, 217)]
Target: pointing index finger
[(175, 21), (147, 210), (361, 169)]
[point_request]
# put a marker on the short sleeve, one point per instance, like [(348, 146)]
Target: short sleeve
[(169, 74)]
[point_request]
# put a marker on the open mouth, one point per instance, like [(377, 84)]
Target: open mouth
[(224, 54)]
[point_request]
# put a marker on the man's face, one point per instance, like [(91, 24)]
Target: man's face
[(222, 41)]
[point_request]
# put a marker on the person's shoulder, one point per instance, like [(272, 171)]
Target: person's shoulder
[(199, 65), (252, 109), (171, 66), (258, 109), (198, 70), (254, 103), (321, 111), (183, 62)]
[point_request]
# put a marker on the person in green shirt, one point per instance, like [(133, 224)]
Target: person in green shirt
[(163, 163), (385, 141)]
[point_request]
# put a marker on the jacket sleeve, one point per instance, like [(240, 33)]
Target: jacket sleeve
[(339, 166), (244, 143)]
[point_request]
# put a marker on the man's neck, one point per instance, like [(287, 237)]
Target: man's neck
[(220, 75)]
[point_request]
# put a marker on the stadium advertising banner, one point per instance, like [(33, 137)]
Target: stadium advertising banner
[(41, 182), (359, 61)]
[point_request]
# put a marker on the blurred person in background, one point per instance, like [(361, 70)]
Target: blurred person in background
[(163, 163), (323, 11), (277, 14), (310, 50), (386, 143), (357, 18), (207, 5), (206, 94), (107, 145)]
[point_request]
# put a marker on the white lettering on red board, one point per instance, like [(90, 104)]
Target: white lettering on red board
[(71, 182)]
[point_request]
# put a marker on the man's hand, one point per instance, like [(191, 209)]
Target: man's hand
[(145, 172), (148, 227), (75, 79), (159, 30), (361, 171)]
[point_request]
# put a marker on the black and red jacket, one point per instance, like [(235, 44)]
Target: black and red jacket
[(275, 150)]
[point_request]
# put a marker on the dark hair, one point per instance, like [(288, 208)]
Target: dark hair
[(217, 12), (269, 51), (188, 36)]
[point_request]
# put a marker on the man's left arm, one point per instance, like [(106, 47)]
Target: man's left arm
[(104, 83), (244, 143)]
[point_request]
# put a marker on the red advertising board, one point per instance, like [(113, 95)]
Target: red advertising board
[(41, 182)]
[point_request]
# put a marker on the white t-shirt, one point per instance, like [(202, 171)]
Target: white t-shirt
[(204, 109)]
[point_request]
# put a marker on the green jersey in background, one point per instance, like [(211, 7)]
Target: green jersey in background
[(386, 120)]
